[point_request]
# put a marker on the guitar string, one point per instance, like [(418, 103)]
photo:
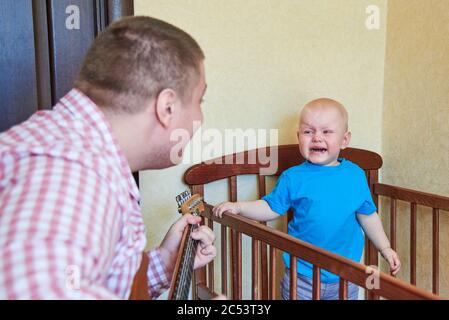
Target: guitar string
[(186, 272), (187, 277), (179, 285), (181, 280), (182, 290), (184, 275)]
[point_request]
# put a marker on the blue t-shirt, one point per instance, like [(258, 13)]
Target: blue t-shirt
[(325, 202)]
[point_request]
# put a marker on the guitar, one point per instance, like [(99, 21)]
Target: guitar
[(182, 274)]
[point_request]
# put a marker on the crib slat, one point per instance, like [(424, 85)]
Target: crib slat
[(237, 265), (233, 188), (234, 264), (436, 250), (264, 268), (199, 188), (343, 289), (239, 255), (413, 209), (262, 185), (373, 178), (200, 275), (210, 265), (316, 293), (293, 277), (263, 247), (393, 211), (370, 260), (235, 253), (255, 268), (224, 260), (272, 273)]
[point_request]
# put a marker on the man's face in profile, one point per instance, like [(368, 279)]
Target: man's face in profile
[(191, 111), (188, 119)]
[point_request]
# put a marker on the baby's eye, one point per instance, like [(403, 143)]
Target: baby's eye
[(307, 131), (328, 131)]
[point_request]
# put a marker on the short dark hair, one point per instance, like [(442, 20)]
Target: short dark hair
[(135, 58)]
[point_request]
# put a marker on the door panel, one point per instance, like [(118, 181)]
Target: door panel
[(69, 46), (39, 56), (18, 93)]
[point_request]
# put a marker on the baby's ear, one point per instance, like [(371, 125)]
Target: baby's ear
[(346, 140)]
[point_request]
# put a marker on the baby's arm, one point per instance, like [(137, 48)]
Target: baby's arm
[(372, 226), (257, 210)]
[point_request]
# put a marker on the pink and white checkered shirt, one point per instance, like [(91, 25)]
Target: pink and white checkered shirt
[(70, 223)]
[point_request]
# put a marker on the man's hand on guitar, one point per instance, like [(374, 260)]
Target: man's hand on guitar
[(206, 251)]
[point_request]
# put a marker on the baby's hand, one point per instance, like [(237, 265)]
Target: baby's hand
[(393, 259), (231, 207)]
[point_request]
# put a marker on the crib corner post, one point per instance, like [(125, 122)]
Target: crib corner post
[(372, 254)]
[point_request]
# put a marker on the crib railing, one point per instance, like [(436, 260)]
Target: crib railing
[(415, 199), (374, 281), (229, 168), (265, 242)]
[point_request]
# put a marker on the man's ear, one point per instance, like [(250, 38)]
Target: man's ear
[(346, 140), (165, 106)]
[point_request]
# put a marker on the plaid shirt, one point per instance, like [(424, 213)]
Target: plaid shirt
[(70, 223)]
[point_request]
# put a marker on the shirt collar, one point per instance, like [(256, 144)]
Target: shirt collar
[(84, 109)]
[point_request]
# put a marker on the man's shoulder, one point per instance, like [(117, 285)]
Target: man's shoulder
[(50, 131), (66, 142)]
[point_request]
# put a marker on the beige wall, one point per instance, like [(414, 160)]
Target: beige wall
[(264, 59), (415, 143)]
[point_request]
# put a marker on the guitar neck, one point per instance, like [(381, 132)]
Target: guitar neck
[(182, 274), (183, 271)]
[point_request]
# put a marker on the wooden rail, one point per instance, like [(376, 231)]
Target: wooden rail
[(359, 274), (415, 199), (266, 242)]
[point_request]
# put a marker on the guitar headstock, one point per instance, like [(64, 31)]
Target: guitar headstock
[(188, 203)]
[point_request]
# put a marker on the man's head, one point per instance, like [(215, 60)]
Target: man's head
[(323, 131), (148, 72), (134, 59)]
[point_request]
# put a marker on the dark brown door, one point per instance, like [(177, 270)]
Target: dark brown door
[(18, 87), (42, 46)]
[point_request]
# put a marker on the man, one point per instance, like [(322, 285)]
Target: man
[(70, 223)]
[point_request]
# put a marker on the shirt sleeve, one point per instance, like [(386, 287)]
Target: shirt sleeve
[(158, 278), (279, 198), (58, 230), (367, 206)]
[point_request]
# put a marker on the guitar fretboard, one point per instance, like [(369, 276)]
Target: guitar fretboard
[(184, 278)]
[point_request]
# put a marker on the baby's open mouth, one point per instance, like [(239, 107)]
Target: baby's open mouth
[(318, 149)]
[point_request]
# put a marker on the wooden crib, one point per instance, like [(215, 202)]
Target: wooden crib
[(266, 242)]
